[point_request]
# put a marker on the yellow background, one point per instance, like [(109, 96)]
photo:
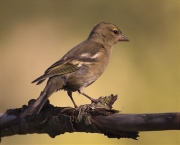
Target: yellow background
[(144, 72)]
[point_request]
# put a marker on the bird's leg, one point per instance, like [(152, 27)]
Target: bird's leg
[(93, 100), (70, 95)]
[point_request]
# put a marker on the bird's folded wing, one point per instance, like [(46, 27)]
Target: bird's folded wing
[(55, 70), (62, 69)]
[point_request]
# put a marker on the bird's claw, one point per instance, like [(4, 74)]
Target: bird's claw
[(94, 101)]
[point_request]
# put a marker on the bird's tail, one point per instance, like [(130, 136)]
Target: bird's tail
[(52, 86), (37, 106)]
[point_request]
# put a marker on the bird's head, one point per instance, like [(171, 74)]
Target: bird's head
[(108, 33)]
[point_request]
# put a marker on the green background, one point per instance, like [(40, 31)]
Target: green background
[(144, 72)]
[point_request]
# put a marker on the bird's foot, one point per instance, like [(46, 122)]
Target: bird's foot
[(94, 100)]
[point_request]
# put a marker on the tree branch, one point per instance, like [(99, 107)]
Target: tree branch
[(93, 118)]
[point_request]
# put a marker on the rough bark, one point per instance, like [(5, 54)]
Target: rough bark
[(92, 118)]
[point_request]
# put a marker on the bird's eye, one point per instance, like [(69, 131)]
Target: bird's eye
[(115, 32)]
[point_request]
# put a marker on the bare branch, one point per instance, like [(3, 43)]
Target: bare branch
[(93, 118), (142, 122)]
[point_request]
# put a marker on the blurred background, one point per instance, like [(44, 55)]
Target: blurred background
[(144, 72)]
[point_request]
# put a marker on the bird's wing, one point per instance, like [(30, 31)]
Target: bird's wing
[(58, 63), (57, 69), (72, 60), (61, 69)]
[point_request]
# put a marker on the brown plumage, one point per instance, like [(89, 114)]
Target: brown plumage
[(80, 66)]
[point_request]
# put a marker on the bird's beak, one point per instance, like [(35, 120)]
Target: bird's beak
[(123, 38)]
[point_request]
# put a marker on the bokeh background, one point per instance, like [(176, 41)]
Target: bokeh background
[(144, 72)]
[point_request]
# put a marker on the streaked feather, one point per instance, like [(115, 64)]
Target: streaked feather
[(57, 70)]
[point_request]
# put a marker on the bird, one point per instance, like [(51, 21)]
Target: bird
[(79, 67)]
